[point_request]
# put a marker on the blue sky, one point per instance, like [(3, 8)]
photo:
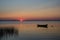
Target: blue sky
[(29, 3)]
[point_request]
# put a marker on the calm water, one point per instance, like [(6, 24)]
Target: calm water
[(28, 30)]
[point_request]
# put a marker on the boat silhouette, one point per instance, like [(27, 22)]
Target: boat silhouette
[(43, 25)]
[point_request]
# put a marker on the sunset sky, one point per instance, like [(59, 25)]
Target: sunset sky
[(30, 9)]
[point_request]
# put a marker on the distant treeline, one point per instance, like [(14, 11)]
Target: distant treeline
[(9, 20)]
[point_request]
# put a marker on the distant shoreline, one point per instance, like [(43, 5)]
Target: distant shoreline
[(9, 20), (30, 20)]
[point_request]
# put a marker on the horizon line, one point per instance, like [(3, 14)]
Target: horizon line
[(30, 20)]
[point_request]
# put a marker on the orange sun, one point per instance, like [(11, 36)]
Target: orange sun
[(20, 19)]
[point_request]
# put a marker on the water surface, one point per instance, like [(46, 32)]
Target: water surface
[(28, 30)]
